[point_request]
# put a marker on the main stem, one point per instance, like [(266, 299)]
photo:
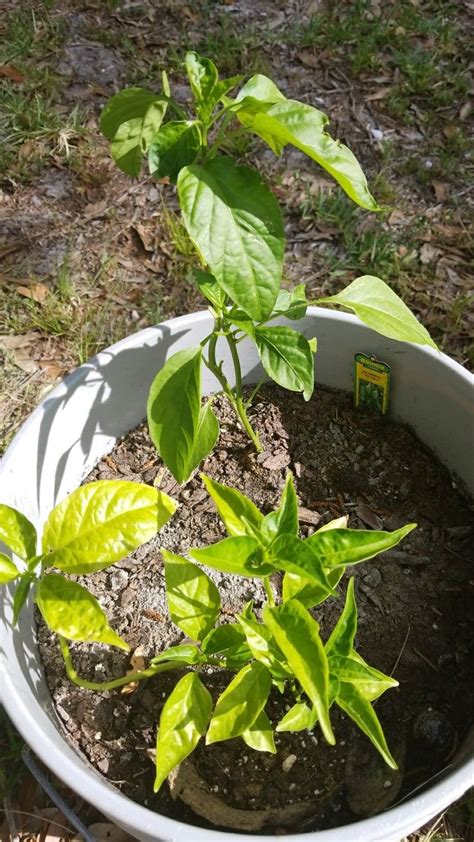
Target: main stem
[(116, 682), (234, 395)]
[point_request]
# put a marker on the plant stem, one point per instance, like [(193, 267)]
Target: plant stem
[(254, 392), (269, 590), (239, 404), (108, 685)]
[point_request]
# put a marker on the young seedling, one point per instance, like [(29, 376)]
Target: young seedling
[(236, 226), (281, 649)]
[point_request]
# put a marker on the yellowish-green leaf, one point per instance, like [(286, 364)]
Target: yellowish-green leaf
[(381, 309), (193, 599), (297, 635), (17, 532), (183, 722), (103, 522), (8, 570), (231, 506), (340, 547), (289, 121), (241, 702), (260, 735), (71, 611), (240, 555), (361, 711), (299, 718)]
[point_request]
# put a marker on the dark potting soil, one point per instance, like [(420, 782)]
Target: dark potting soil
[(415, 615)]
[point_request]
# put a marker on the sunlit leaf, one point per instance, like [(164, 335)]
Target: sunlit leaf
[(297, 635), (102, 522), (231, 506), (282, 121), (186, 654), (260, 735), (235, 223), (290, 553), (263, 647), (183, 722), (241, 702), (175, 146), (340, 547), (299, 718), (341, 640), (71, 611), (17, 532), (193, 599), (361, 711), (8, 570), (240, 555), (287, 358), (285, 519), (381, 309)]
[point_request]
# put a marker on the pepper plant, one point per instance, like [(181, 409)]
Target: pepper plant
[(235, 223), (279, 649)]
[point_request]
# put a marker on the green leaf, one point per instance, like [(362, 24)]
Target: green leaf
[(296, 556), (71, 611), (186, 654), (193, 599), (292, 305), (337, 523), (264, 647), (232, 506), (361, 711), (235, 223), (174, 411), (206, 436), (183, 722), (299, 718), (21, 594), (260, 735), (307, 592), (17, 532), (228, 641), (210, 289), (175, 146), (202, 75), (340, 547), (290, 121), (130, 119), (297, 635), (287, 358), (8, 570), (285, 519), (102, 522), (259, 88), (341, 640), (239, 705), (380, 308), (370, 682), (240, 555)]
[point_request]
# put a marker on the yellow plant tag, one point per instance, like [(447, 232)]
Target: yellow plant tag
[(372, 383)]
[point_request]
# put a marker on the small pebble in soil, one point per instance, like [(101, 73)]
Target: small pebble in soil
[(288, 762)]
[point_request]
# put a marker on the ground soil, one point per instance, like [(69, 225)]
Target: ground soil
[(413, 602)]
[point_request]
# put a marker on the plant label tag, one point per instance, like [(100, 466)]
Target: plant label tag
[(372, 383)]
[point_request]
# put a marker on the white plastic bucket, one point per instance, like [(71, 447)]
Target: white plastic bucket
[(79, 422)]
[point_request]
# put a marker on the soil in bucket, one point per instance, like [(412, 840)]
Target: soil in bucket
[(415, 621)]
